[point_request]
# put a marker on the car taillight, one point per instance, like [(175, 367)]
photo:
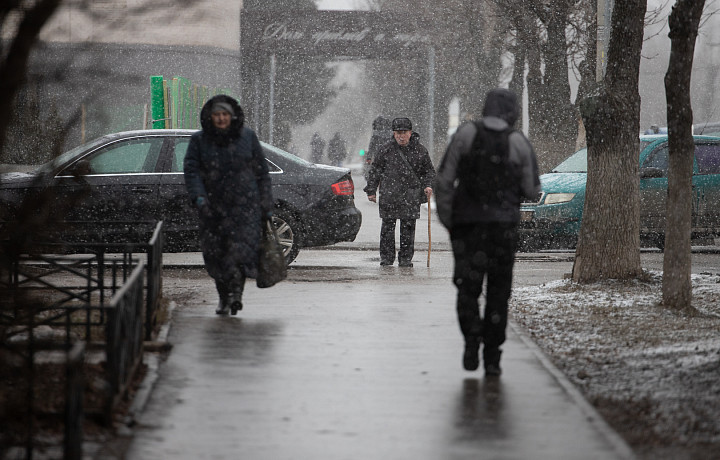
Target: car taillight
[(345, 187)]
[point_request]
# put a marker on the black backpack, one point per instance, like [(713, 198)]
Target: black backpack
[(486, 173)]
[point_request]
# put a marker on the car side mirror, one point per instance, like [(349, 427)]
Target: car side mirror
[(651, 173)]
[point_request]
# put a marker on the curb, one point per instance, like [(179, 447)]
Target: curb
[(153, 365), (591, 414)]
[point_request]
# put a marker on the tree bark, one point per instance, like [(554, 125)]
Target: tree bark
[(609, 240), (13, 67), (684, 22)]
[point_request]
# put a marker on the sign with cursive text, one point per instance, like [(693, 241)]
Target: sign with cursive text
[(356, 34)]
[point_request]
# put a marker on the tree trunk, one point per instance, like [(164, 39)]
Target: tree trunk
[(609, 240), (13, 66), (684, 22)]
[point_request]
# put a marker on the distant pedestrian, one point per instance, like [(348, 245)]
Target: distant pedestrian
[(317, 148), (227, 178), (337, 151), (403, 173), (488, 168), (382, 133)]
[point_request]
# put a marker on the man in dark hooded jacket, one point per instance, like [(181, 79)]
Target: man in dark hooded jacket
[(227, 178), (381, 134), (404, 173), (337, 151), (317, 148), (487, 170)]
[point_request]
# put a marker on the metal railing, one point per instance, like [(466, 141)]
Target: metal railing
[(124, 335), (74, 391), (118, 267), (43, 290)]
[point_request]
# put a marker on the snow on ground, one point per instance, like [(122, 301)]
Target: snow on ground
[(652, 372)]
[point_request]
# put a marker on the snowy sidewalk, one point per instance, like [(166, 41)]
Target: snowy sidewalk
[(347, 360)]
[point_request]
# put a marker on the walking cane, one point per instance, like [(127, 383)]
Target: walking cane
[(429, 235)]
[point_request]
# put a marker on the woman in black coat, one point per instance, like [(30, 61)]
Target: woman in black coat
[(227, 178)]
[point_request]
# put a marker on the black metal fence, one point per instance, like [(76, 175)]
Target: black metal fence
[(68, 294), (124, 336), (75, 389)]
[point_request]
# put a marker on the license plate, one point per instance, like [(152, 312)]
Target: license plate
[(526, 216)]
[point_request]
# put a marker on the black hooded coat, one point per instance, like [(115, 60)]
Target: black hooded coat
[(400, 187), (229, 171), (382, 133)]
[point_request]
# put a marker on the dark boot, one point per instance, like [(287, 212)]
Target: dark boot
[(491, 361), (235, 298), (235, 302), (223, 308), (471, 360)]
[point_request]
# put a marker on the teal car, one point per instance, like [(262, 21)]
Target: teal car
[(554, 220)]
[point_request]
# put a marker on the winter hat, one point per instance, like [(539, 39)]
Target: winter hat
[(402, 124), (222, 107)]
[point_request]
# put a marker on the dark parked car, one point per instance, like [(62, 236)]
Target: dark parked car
[(137, 176)]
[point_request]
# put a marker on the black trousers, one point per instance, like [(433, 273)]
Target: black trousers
[(484, 251), (387, 240)]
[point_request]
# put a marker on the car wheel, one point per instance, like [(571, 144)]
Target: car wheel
[(288, 234)]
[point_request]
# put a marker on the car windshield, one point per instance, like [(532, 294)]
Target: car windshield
[(69, 155), (577, 162), (286, 155)]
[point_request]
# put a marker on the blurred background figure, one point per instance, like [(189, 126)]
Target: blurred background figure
[(382, 133), (337, 152), (317, 148)]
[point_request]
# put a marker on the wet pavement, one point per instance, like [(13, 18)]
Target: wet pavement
[(350, 360)]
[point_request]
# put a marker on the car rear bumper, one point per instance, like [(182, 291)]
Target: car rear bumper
[(332, 227)]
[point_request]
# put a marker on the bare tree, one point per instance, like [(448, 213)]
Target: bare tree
[(554, 122), (684, 23), (14, 60), (609, 240)]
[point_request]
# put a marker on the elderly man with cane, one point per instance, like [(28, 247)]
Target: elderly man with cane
[(403, 172)]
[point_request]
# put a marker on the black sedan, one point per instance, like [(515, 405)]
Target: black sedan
[(136, 176)]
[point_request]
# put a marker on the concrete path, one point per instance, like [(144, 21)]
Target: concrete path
[(348, 360)]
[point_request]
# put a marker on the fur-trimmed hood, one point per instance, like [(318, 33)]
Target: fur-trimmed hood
[(236, 123)]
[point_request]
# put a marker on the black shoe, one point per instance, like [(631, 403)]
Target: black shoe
[(491, 360), (492, 370), (222, 308), (405, 264), (471, 360), (235, 303), (385, 263)]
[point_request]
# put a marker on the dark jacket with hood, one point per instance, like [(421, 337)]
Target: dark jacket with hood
[(228, 170), (382, 133), (317, 148), (455, 207), (337, 151), (399, 189)]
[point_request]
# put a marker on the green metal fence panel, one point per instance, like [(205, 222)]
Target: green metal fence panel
[(157, 102), (175, 97), (177, 103)]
